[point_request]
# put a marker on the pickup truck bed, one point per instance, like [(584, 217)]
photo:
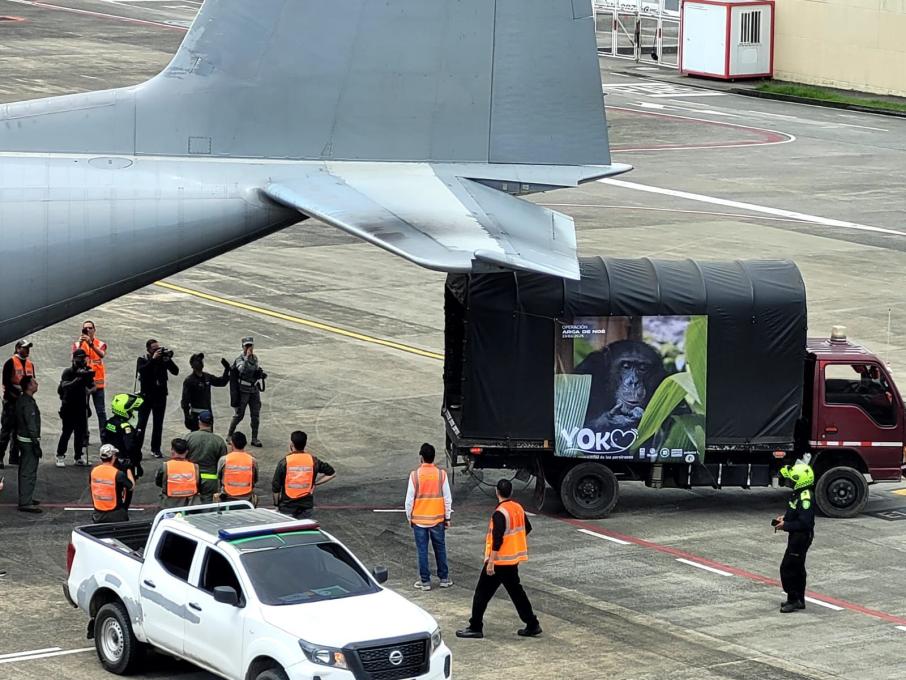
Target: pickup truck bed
[(129, 538)]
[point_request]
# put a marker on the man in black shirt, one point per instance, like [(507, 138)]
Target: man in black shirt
[(196, 390), (296, 468), (76, 383), (152, 372)]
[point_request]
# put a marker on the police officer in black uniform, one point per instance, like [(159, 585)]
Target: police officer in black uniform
[(121, 434), (196, 389), (799, 523)]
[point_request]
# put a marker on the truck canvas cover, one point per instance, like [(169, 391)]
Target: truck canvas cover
[(503, 330)]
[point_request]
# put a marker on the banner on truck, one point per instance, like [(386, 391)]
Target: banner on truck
[(631, 388)]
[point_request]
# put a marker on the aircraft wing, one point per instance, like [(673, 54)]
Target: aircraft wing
[(433, 217)]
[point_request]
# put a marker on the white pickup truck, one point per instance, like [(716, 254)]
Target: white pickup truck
[(247, 594)]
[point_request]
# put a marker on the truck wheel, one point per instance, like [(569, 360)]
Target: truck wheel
[(589, 490), (117, 647), (272, 674), (841, 492)]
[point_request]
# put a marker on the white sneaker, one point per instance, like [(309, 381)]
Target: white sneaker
[(422, 586), (446, 583), (61, 462)]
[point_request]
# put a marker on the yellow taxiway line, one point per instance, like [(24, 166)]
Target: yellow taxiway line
[(327, 328)]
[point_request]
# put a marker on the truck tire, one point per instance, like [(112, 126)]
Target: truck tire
[(589, 490), (117, 647), (271, 674), (841, 492)]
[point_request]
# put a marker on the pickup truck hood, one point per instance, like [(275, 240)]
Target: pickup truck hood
[(337, 623)]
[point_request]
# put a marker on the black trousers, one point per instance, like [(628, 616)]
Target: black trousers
[(156, 405), (792, 568), (508, 576), (75, 425)]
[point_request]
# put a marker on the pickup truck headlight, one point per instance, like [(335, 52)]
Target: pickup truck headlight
[(324, 656), (436, 639)]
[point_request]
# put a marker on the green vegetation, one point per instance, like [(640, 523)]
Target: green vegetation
[(812, 92)]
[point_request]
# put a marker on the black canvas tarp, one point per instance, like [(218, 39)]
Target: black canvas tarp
[(501, 335)]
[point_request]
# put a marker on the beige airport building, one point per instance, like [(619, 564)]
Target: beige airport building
[(850, 44)]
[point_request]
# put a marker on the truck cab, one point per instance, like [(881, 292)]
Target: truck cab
[(854, 417)]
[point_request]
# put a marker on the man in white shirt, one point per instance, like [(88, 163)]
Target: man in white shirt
[(428, 507)]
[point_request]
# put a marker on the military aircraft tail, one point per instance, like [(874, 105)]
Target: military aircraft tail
[(487, 81)]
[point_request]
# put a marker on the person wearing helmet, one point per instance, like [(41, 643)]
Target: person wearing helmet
[(120, 433), (799, 523), (110, 487)]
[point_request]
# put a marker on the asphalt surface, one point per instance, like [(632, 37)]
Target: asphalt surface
[(676, 584)]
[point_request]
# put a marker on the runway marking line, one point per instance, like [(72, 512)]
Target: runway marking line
[(822, 603), (318, 325), (735, 571), (29, 653), (612, 539), (47, 655), (699, 565), (103, 15), (903, 628)]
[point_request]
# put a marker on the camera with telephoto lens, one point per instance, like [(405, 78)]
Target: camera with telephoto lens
[(85, 372), (166, 354)]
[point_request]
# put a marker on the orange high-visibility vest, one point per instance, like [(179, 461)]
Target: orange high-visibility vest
[(21, 368), (514, 548), (300, 475), (95, 363), (182, 479), (103, 487), (428, 509), (238, 477)]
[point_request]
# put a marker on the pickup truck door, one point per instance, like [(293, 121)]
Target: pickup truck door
[(214, 638), (165, 588)]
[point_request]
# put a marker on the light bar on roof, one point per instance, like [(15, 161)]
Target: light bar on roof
[(268, 529)]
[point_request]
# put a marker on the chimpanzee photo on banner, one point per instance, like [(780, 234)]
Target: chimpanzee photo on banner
[(631, 388)]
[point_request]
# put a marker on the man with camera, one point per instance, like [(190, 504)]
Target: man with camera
[(76, 384), (152, 370), (246, 385), (96, 350)]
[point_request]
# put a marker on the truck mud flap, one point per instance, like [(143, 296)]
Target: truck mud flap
[(68, 596), (89, 633)]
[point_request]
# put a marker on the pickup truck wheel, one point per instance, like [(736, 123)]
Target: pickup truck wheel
[(117, 647), (272, 674), (841, 492), (589, 490)]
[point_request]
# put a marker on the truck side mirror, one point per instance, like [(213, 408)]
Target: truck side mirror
[(381, 574), (226, 595)]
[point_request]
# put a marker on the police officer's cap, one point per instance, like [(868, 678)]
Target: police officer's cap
[(248, 340), (206, 417), (195, 358)]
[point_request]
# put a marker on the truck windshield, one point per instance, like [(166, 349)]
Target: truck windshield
[(295, 574)]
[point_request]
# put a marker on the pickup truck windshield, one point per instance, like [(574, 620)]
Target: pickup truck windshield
[(295, 574)]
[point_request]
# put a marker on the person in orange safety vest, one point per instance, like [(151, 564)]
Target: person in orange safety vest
[(428, 507), (109, 485), (14, 369), (237, 473), (95, 350), (505, 548), (179, 479), (296, 477)]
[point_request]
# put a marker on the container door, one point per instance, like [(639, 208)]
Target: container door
[(860, 410)]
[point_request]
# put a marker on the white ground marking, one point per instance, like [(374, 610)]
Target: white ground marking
[(47, 655), (777, 212), (389, 510), (33, 651), (90, 509), (677, 210), (903, 628), (606, 538), (822, 603), (704, 566)]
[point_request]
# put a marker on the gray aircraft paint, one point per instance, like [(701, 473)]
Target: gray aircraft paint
[(276, 110)]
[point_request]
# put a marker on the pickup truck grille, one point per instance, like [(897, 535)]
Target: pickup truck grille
[(377, 663)]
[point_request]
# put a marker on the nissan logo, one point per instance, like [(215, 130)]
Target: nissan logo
[(396, 657)]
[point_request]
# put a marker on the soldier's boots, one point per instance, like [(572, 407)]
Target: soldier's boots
[(789, 607)]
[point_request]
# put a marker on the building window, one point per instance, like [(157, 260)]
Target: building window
[(750, 29)]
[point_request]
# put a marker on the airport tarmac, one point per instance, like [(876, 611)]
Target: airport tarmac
[(675, 584)]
